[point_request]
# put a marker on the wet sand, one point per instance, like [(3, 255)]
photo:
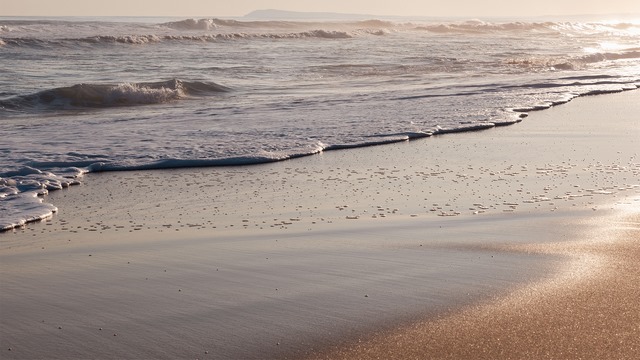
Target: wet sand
[(499, 244), (590, 310)]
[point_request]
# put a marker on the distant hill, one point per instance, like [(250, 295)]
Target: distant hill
[(272, 14)]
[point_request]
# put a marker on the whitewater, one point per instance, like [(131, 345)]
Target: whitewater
[(81, 95)]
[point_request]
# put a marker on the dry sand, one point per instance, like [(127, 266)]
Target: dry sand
[(503, 244)]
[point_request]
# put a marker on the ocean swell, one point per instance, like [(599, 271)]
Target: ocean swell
[(106, 40), (478, 26), (125, 39), (210, 30), (572, 63), (228, 24), (37, 34), (106, 95), (192, 24), (604, 56)]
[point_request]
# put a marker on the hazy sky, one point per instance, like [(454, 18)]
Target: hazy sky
[(206, 8)]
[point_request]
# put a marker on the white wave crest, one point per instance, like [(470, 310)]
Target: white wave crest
[(192, 24), (319, 34), (327, 34), (478, 26), (130, 93), (573, 63), (604, 56), (127, 39), (103, 95), (211, 37)]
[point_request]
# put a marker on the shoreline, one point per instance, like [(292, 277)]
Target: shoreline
[(290, 259), (245, 161)]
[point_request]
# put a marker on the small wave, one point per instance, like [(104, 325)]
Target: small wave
[(127, 39), (105, 95), (327, 34), (477, 26), (192, 24), (464, 128), (230, 29), (104, 40), (322, 34), (374, 23), (581, 61), (625, 26), (587, 77), (218, 24), (92, 40), (32, 42), (598, 57), (214, 23), (574, 63), (595, 27)]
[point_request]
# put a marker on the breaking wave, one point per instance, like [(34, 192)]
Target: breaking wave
[(482, 27), (150, 39), (573, 63), (192, 24), (105, 95), (478, 26), (214, 23), (209, 24), (214, 29), (126, 39), (321, 34)]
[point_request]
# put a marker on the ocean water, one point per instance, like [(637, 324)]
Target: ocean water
[(107, 94)]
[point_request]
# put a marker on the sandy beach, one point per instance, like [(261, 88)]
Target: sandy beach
[(516, 242), (587, 311)]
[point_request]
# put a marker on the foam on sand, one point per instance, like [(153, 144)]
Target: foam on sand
[(21, 195)]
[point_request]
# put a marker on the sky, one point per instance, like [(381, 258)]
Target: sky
[(221, 8)]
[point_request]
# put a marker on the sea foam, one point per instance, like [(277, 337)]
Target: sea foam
[(21, 194), (296, 88), (192, 24)]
